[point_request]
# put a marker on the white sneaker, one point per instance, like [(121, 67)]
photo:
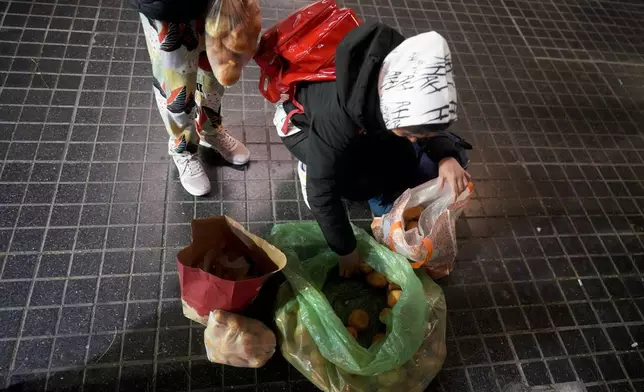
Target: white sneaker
[(301, 173), (230, 148), (191, 172)]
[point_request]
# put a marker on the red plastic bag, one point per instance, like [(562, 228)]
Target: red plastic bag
[(203, 291), (302, 48)]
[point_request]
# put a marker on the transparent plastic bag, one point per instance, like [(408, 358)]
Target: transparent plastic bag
[(236, 340), (429, 238), (313, 337), (232, 31)]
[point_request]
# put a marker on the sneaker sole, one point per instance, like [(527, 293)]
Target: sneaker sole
[(196, 193), (208, 145)]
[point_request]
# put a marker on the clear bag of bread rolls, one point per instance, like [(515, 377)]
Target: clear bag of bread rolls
[(236, 340), (232, 31)]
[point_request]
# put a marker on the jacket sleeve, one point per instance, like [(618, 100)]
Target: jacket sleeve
[(324, 198), (446, 145), (330, 133)]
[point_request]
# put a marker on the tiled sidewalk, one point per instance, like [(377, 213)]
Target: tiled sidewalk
[(548, 287)]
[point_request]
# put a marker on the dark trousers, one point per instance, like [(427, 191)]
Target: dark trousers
[(426, 170)]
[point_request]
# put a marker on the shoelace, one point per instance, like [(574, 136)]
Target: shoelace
[(191, 164), (225, 140)]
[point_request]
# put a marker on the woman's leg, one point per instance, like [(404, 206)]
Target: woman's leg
[(174, 52), (183, 80), (208, 122)]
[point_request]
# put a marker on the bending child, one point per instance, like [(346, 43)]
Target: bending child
[(378, 129)]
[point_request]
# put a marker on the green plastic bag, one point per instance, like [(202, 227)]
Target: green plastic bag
[(314, 339)]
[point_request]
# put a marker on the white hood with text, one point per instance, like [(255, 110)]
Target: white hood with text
[(416, 84)]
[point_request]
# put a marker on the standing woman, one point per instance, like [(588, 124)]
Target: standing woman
[(183, 79)]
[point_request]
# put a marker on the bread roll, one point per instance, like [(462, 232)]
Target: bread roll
[(413, 213), (219, 54), (410, 225), (392, 297), (376, 279), (221, 317), (218, 27), (228, 74), (365, 268), (240, 40), (359, 319), (384, 315)]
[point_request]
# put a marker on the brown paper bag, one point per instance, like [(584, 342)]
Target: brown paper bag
[(201, 290)]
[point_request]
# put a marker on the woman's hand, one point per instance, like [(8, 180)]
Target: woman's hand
[(450, 171), (349, 264)]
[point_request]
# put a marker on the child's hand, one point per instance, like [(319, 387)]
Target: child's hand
[(349, 264), (450, 171)]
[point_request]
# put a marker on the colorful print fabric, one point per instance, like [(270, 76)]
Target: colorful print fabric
[(183, 80)]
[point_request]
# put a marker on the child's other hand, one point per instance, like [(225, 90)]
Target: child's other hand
[(450, 171), (349, 264)]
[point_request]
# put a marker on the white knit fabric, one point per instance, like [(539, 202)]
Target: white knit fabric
[(416, 84)]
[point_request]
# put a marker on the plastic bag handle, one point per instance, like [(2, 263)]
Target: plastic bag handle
[(266, 85), (269, 87), (427, 243), (263, 82)]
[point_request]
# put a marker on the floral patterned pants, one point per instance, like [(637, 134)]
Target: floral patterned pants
[(183, 79)]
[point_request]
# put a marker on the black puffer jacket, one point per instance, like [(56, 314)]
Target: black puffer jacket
[(345, 144), (171, 10)]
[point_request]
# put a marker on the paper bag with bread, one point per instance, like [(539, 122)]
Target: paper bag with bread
[(223, 268)]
